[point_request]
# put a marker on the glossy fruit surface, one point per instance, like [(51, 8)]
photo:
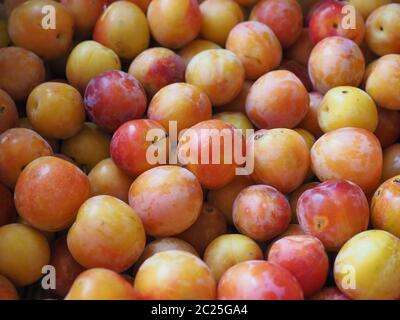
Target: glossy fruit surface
[(181, 102), (338, 154), (100, 284), (347, 107), (219, 17), (41, 196), (48, 39), (305, 258), (258, 280), (214, 164), (278, 99), (87, 60), (336, 61), (333, 211), (107, 233), (287, 26), (175, 275), (107, 179), (56, 110), (174, 24), (284, 168), (218, 72), (123, 28), (228, 250), (132, 141), (156, 68), (261, 212), (366, 267), (384, 206), (168, 199), (113, 98)]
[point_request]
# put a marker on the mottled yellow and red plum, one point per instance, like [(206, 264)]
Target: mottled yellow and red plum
[(175, 275), (107, 234), (278, 99), (336, 61), (113, 98), (261, 212), (299, 253), (332, 18), (181, 102), (214, 164), (284, 17), (256, 46), (333, 212), (101, 284), (131, 143), (281, 158), (382, 26), (123, 28), (41, 195), (349, 153), (168, 199), (156, 68), (85, 14), (219, 73), (258, 280), (174, 23), (385, 206)]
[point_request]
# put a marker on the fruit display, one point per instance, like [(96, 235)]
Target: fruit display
[(200, 150)]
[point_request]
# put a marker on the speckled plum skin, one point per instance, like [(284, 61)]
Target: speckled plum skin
[(258, 280), (261, 212), (175, 275), (113, 98), (167, 198), (333, 212)]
